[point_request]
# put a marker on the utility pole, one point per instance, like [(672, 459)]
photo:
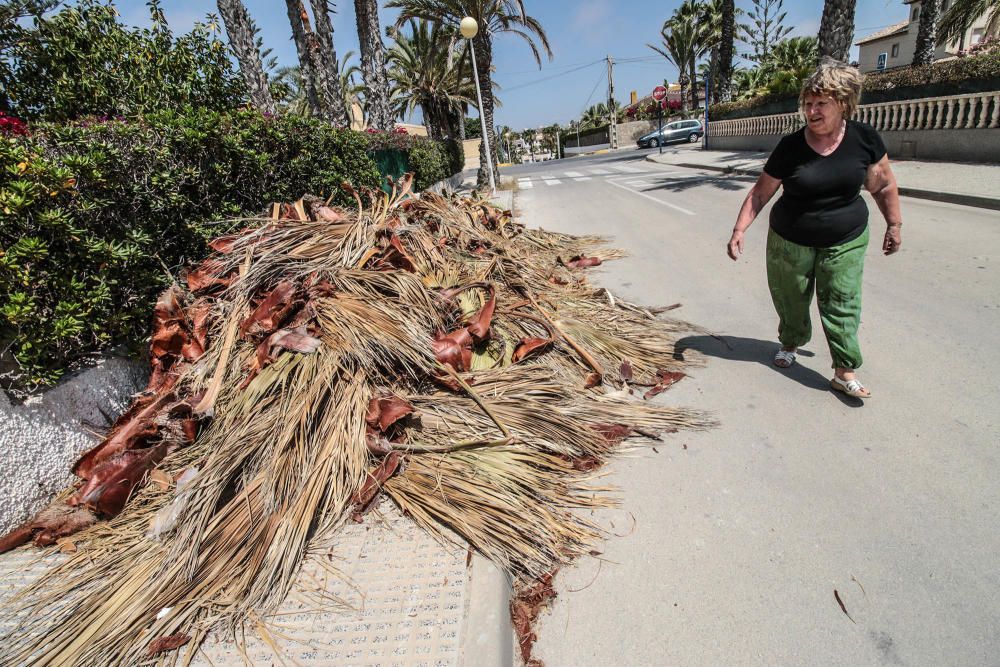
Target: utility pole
[(613, 128)]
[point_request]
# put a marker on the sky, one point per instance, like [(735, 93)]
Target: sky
[(582, 34)]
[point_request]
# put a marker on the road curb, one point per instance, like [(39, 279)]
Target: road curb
[(975, 201), (488, 639)]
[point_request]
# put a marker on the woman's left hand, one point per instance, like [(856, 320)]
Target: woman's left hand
[(893, 239)]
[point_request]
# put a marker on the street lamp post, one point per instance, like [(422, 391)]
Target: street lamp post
[(469, 28)]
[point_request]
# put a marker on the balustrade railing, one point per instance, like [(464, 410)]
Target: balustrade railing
[(967, 111)]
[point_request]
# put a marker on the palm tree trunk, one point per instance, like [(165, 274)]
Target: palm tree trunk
[(240, 29), (713, 74), (923, 52), (836, 29), (693, 74), (373, 65), (325, 63), (726, 50), (295, 11), (483, 53), (682, 79)]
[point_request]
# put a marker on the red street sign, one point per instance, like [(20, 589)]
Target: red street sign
[(659, 93)]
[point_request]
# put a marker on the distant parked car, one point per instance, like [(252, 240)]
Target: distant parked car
[(679, 130)]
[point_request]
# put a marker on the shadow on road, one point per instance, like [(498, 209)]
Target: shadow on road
[(738, 348), (731, 183)]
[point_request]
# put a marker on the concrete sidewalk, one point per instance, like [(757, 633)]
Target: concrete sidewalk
[(954, 182)]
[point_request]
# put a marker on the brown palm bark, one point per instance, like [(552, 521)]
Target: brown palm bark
[(373, 69), (836, 29), (923, 52), (483, 53), (326, 66), (240, 30), (726, 50), (299, 35)]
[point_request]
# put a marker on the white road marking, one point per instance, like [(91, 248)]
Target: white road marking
[(525, 183), (582, 178), (639, 184), (627, 168), (573, 174), (658, 201), (598, 172), (551, 181)]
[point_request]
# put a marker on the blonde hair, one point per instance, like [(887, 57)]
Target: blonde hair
[(837, 80)]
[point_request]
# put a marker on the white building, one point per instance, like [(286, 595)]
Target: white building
[(894, 46)]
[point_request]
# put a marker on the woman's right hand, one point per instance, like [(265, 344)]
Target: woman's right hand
[(735, 247)]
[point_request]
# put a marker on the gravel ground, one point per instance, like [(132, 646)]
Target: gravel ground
[(41, 438)]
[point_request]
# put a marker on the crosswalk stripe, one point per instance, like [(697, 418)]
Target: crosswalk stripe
[(573, 174), (551, 181), (598, 172), (638, 184), (627, 168), (582, 178), (526, 184)]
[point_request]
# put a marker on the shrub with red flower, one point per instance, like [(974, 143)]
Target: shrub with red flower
[(12, 127), (400, 130)]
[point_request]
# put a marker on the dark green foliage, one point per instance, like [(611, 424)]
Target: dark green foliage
[(473, 128), (81, 61), (429, 160), (951, 77), (94, 214)]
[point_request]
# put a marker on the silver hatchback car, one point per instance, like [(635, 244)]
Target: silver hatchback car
[(679, 130)]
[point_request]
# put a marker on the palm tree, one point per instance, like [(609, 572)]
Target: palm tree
[(326, 64), (241, 32), (923, 52), (836, 29), (726, 49), (691, 15), (679, 48), (749, 83), (373, 65), (351, 89), (962, 14), (494, 18), (595, 116), (290, 91), (430, 71)]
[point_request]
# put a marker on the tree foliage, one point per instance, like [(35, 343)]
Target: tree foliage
[(81, 61)]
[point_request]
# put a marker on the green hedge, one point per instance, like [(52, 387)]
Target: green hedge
[(953, 77), (429, 160)]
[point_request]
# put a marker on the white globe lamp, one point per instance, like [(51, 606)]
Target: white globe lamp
[(468, 27)]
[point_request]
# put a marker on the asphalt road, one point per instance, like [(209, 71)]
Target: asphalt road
[(728, 551)]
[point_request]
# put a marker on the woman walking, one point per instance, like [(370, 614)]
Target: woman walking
[(819, 226)]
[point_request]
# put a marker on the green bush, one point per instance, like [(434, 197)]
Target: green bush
[(952, 77), (95, 216), (429, 160)]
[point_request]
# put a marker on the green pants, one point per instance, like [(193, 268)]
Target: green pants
[(794, 271)]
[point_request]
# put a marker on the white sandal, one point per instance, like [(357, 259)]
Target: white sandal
[(850, 387), (784, 358)]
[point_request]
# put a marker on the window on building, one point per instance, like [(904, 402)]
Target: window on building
[(916, 14), (977, 36), (895, 50)]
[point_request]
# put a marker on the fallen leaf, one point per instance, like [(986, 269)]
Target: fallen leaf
[(842, 607), (526, 347), (592, 380), (384, 411), (581, 262), (479, 325), (160, 478), (626, 370), (168, 643)]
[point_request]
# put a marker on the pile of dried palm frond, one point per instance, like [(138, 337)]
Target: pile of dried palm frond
[(427, 348)]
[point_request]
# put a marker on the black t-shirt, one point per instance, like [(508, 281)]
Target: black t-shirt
[(821, 204)]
